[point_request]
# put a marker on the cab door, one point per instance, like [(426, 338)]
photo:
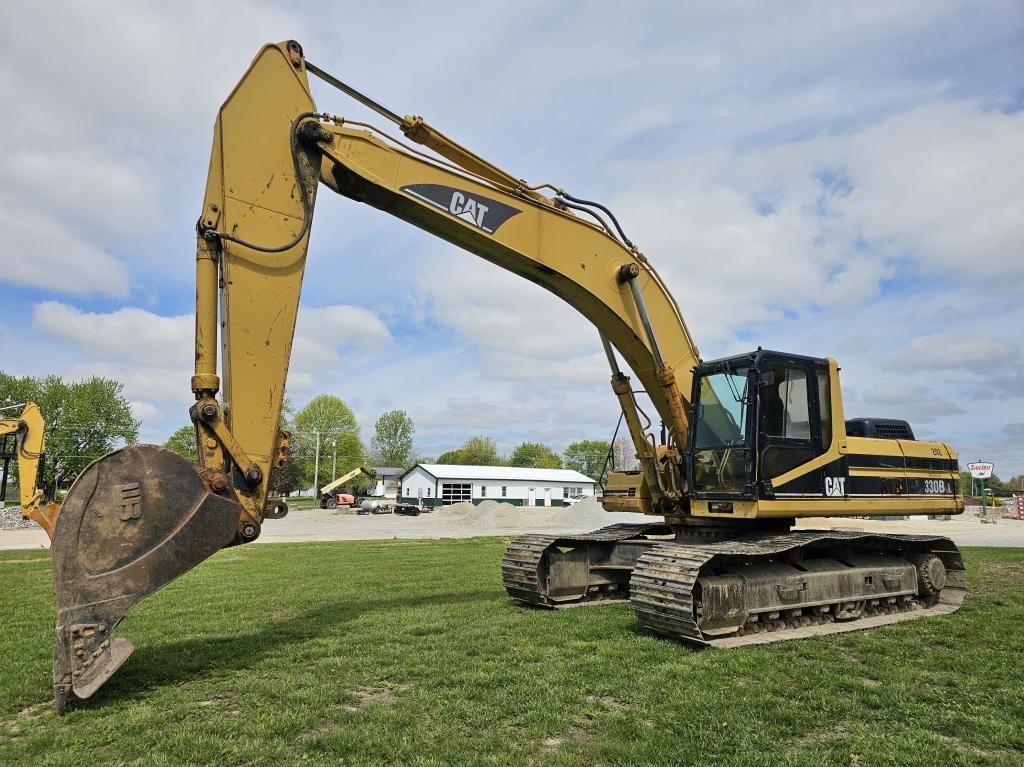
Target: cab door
[(790, 424)]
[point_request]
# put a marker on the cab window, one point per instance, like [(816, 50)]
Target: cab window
[(786, 408), (825, 409)]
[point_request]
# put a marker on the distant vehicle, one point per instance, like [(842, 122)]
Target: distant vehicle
[(330, 495), (573, 499)]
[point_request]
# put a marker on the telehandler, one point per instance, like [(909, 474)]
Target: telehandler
[(30, 453), (749, 443), (331, 499)]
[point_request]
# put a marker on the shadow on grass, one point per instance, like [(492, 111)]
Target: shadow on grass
[(175, 662)]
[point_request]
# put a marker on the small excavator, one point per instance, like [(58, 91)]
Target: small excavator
[(748, 444), (29, 450)]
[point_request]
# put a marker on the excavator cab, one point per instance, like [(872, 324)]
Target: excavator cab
[(756, 416)]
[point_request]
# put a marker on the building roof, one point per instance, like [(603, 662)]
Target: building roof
[(389, 471), (452, 471)]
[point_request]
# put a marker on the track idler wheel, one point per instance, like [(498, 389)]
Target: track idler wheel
[(132, 522), (931, 574)]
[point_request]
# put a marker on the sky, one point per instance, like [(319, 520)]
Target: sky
[(823, 178)]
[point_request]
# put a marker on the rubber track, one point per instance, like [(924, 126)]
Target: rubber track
[(661, 587), (521, 564)]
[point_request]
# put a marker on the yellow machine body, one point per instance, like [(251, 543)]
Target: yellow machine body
[(141, 516), (30, 447)]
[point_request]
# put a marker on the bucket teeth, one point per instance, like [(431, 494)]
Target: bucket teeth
[(85, 656)]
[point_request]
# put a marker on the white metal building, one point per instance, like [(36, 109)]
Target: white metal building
[(388, 481), (435, 484)]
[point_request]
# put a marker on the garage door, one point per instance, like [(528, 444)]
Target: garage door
[(455, 492)]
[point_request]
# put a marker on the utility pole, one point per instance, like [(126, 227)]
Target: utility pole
[(316, 466), (334, 462)]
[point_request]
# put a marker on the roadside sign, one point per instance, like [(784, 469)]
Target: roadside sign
[(980, 470)]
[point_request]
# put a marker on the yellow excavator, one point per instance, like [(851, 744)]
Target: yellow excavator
[(747, 444), (29, 450)]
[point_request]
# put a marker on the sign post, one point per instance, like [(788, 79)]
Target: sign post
[(982, 470)]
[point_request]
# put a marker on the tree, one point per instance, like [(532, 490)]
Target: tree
[(624, 455), (587, 456), (327, 419), (84, 419), (477, 451), (535, 455), (287, 478), (183, 442), (392, 438)]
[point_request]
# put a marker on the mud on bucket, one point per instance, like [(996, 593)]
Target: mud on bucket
[(133, 521)]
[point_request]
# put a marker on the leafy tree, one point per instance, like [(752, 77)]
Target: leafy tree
[(330, 418), (183, 442), (587, 456), (84, 419), (535, 455), (392, 438), (288, 478), (477, 451)]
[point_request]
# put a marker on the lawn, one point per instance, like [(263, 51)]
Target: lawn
[(409, 653)]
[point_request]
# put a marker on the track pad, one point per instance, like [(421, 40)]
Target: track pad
[(133, 521)]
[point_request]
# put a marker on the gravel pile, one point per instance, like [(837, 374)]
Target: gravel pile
[(10, 519), (584, 516)]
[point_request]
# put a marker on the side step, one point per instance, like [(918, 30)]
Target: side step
[(769, 588), (571, 570)]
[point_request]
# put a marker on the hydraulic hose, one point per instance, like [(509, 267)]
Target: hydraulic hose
[(213, 234)]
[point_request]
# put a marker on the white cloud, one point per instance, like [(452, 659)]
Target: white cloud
[(909, 401), (152, 354), (321, 332), (129, 334), (40, 251), (92, 127), (143, 411), (500, 311), (946, 351), (745, 236)]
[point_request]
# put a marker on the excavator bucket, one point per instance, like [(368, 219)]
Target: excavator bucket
[(46, 517), (133, 521)]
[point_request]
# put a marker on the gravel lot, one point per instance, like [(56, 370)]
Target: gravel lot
[(492, 518)]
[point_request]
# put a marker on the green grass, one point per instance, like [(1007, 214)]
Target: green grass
[(409, 653), (301, 503)]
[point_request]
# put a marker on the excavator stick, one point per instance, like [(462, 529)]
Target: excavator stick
[(132, 522), (139, 517)]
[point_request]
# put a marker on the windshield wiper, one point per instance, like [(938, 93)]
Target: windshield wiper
[(729, 375)]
